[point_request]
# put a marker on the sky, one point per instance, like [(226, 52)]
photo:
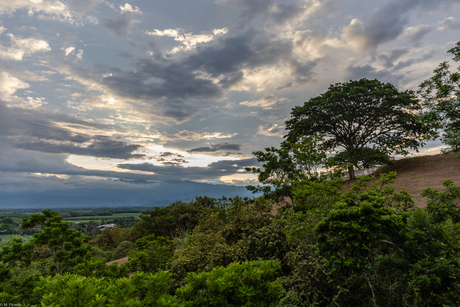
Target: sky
[(116, 95)]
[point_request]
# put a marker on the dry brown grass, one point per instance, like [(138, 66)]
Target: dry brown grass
[(415, 174)]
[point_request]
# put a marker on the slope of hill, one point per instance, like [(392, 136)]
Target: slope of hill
[(415, 174)]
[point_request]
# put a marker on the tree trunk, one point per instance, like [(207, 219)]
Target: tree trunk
[(351, 170)]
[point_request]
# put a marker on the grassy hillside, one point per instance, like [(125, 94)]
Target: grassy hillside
[(415, 174)]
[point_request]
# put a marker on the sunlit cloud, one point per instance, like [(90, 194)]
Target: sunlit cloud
[(188, 40), (21, 47)]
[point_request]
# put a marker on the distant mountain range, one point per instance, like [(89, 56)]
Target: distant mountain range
[(159, 195)]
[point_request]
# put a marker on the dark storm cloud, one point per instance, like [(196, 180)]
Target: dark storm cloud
[(389, 58), (101, 147), (385, 24), (20, 122), (214, 170), (121, 25), (36, 131), (231, 80), (415, 35), (393, 72), (216, 147), (251, 49), (269, 11), (370, 72), (155, 80), (170, 154), (170, 85), (178, 109)]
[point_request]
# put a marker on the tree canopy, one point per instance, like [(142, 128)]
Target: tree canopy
[(357, 114), (441, 94)]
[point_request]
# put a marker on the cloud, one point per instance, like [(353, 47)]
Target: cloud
[(448, 24), (34, 130), (21, 47), (9, 85), (392, 56), (100, 146), (271, 130), (54, 10), (216, 147), (271, 12), (82, 6), (186, 135), (32, 103), (415, 34), (383, 25), (189, 40), (249, 50), (68, 50), (171, 87), (122, 25), (266, 102), (127, 8), (214, 170)]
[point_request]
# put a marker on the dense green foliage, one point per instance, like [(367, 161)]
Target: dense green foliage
[(367, 246), (364, 158), (441, 94), (356, 114), (283, 166)]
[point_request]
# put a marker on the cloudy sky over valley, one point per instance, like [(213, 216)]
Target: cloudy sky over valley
[(117, 94)]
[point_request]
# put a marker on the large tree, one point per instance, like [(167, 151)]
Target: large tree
[(358, 114), (441, 95)]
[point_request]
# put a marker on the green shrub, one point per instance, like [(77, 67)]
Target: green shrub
[(240, 284)]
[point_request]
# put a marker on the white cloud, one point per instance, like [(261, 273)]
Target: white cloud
[(189, 40), (9, 85), (271, 130), (68, 50), (71, 50), (355, 35), (79, 54), (32, 103), (187, 135), (448, 23), (127, 8), (266, 102), (21, 47), (49, 10), (2, 29)]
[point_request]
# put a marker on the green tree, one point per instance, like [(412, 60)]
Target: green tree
[(441, 94), (67, 245), (283, 166), (360, 113), (152, 254), (365, 158)]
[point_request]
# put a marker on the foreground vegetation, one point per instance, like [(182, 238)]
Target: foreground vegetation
[(367, 246)]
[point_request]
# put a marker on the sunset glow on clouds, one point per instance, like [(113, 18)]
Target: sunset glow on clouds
[(109, 92)]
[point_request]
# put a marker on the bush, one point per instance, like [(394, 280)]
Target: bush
[(240, 284)]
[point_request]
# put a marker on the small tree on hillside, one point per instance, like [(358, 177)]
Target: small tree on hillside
[(441, 94), (357, 114), (282, 166), (67, 246)]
